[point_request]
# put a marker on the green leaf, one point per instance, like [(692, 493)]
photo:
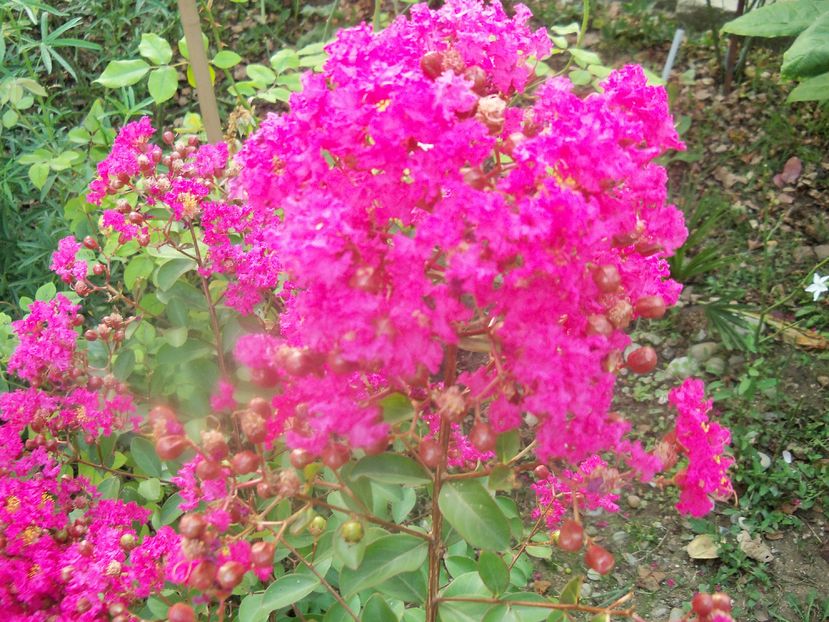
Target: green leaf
[(170, 511), (286, 590), (396, 408), (260, 74), (349, 553), (468, 507), (384, 558), (557, 616), (571, 593), (580, 77), (391, 469), (584, 57), (38, 174), (150, 489), (109, 488), (145, 457), (155, 49), (494, 572), (171, 271), (501, 613), (812, 89), (410, 587), (781, 19), (461, 611), (123, 73), (507, 446), (226, 59), (459, 564), (124, 364), (376, 610), (46, 292), (501, 478), (249, 609), (163, 83), (139, 267), (809, 54), (284, 59), (525, 613), (10, 118)]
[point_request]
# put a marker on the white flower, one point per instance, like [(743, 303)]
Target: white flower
[(818, 286)]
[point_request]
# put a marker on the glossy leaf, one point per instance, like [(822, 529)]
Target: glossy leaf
[(781, 19), (473, 513), (501, 613), (155, 49), (391, 468), (143, 453), (811, 89), (163, 84), (571, 593), (494, 572), (286, 590), (377, 610), (171, 271), (120, 73), (809, 54), (226, 59), (384, 558)]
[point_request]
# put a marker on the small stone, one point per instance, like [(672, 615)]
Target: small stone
[(803, 254), (715, 366), (822, 251), (701, 352), (701, 335), (633, 501), (682, 367), (619, 537), (586, 590), (659, 612), (593, 575), (823, 380), (676, 615)]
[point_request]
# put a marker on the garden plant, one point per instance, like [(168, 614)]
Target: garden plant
[(319, 378)]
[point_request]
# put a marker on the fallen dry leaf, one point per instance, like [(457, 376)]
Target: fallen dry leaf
[(791, 171), (703, 547), (789, 332), (650, 579), (541, 587), (755, 548), (774, 535)]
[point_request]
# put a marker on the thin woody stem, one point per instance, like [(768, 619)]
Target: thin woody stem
[(211, 307), (435, 544), (626, 613)]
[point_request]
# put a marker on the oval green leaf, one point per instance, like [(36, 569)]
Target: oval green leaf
[(376, 610), (143, 453), (494, 572), (155, 49), (470, 510), (384, 558), (391, 469), (287, 590), (123, 73), (163, 84)]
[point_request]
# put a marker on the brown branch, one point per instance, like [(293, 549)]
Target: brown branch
[(547, 605)]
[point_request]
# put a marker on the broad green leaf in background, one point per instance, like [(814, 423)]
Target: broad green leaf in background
[(781, 19), (226, 59), (120, 73), (155, 49), (811, 89), (163, 83), (470, 509), (809, 54), (145, 457)]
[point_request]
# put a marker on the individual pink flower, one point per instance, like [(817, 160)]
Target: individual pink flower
[(65, 263)]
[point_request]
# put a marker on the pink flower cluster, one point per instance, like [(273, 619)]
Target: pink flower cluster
[(65, 553), (592, 486), (703, 442), (65, 263), (407, 200)]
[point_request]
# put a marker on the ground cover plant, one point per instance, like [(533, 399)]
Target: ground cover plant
[(363, 367)]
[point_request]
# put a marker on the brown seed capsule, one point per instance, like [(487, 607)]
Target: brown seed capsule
[(599, 325), (253, 426), (335, 455), (244, 462), (261, 554), (301, 458), (651, 307), (478, 77), (607, 278), (207, 470), (214, 445), (262, 406), (181, 612), (201, 577), (171, 446), (192, 526), (430, 453), (483, 437), (230, 574), (620, 314)]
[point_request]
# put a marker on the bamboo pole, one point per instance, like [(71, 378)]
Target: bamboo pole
[(189, 15)]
